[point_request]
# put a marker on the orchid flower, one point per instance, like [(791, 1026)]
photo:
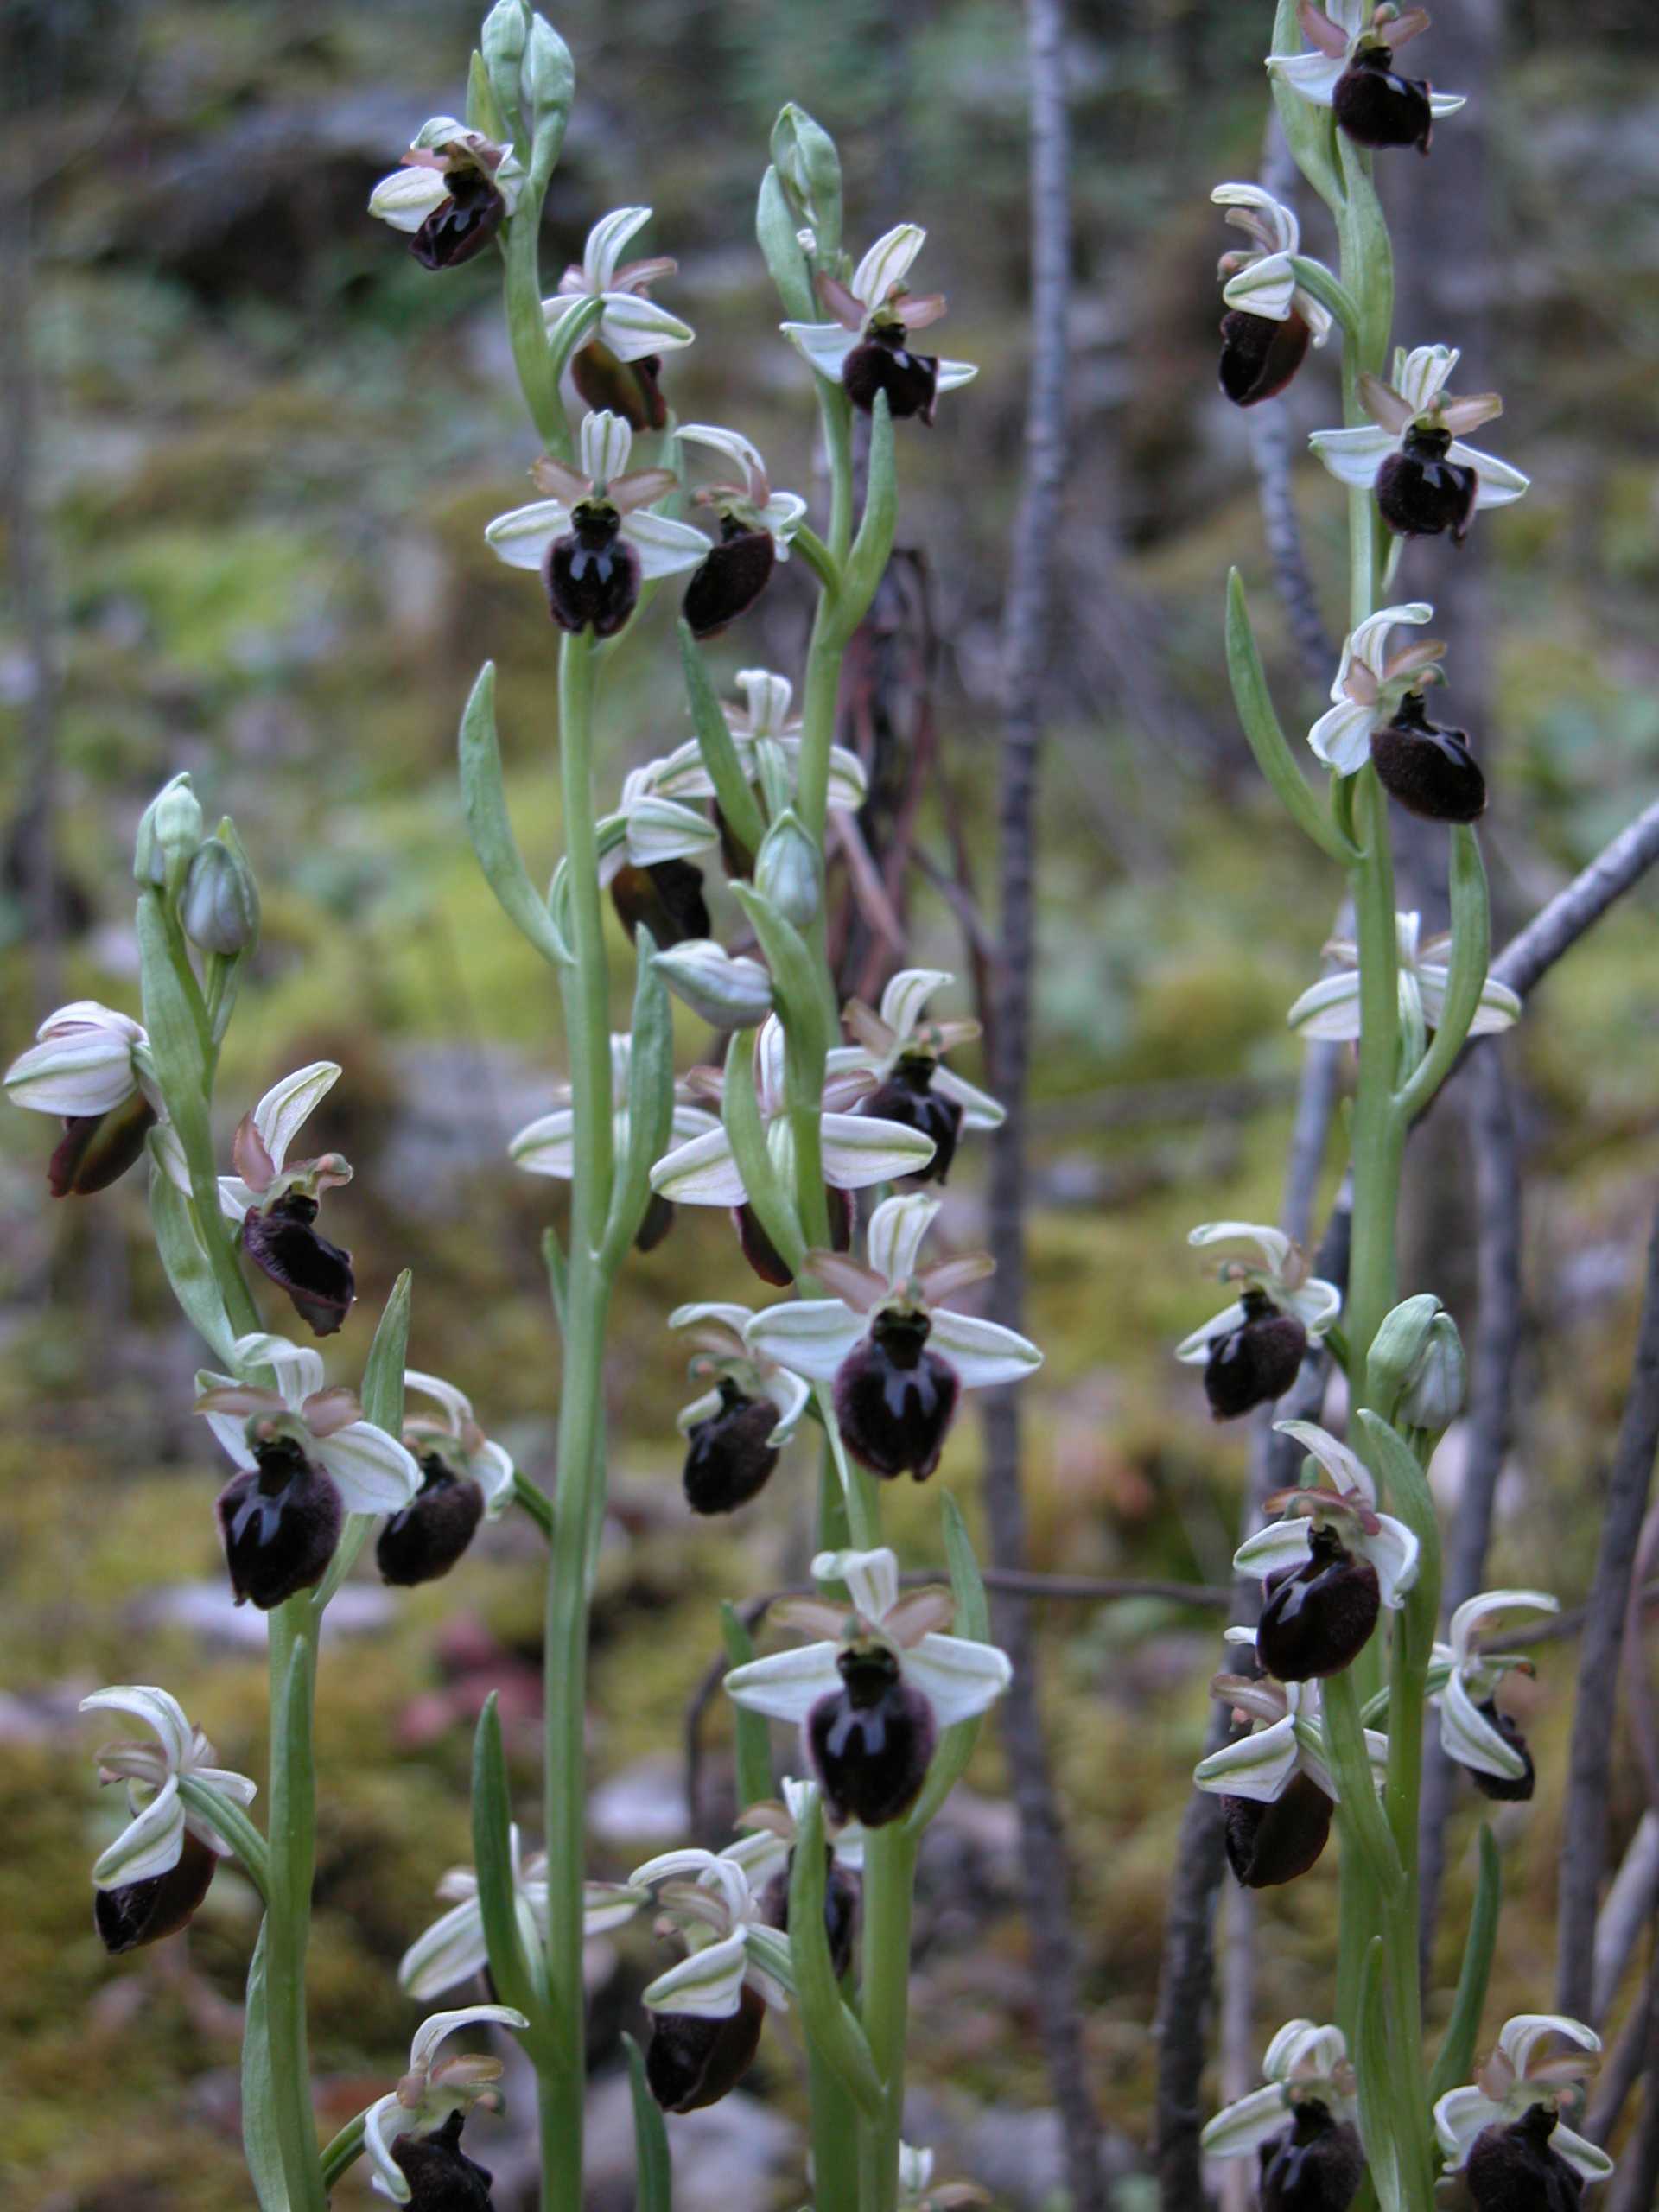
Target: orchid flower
[(864, 350), (858, 1150), (710, 2007), (434, 2097), (765, 734), (906, 1051), (155, 1873), (1412, 451), (736, 1429), (1345, 1503), (547, 1146), (453, 190), (746, 496), (1330, 1008), (1512, 2079), (897, 1356), (90, 1066), (453, 1437), (1337, 35), (871, 1694), (453, 1949), (1369, 684), (1303, 2063), (1259, 279), (763, 1851), (1468, 1677), (631, 324), (1279, 1274)]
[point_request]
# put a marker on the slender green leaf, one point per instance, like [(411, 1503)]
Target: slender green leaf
[(174, 1016), (834, 2034), (535, 1501), (1376, 2120), (1471, 946), (732, 787), (1367, 251), (483, 112), (572, 333), (753, 1739), (1331, 293), (797, 993), (381, 1397), (1310, 131), (484, 801), (973, 1620), (651, 1104), (775, 227), (261, 2130), (342, 2153), (1268, 740), (653, 2171), (558, 1270), (867, 560), (189, 1268), (741, 1112), (1456, 2061), (516, 1980), (233, 1825)]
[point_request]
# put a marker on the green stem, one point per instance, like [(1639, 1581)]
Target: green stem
[(527, 328), (889, 1875), (835, 2138), (579, 1500), (287, 1921)]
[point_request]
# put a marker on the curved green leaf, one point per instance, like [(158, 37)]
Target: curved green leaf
[(653, 2171), (973, 1620), (834, 2034), (1455, 2062), (1310, 131), (797, 993), (753, 1737), (732, 787), (740, 1110), (1266, 740), (651, 1104), (1371, 2066), (867, 560), (517, 1981), (1472, 947), (261, 2132), (775, 227), (189, 1268), (382, 1397), (485, 802)]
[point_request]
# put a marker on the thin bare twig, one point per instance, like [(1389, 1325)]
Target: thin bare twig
[(1529, 956), (1584, 1832), (1026, 647)]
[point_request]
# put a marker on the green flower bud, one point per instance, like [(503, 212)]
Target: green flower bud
[(549, 77), (220, 906), (168, 834), (1433, 1393), (1398, 1347), (809, 168), (501, 42), (786, 871), (728, 994)]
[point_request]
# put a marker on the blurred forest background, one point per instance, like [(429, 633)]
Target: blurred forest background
[(249, 449)]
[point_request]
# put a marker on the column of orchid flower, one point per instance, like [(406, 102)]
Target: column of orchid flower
[(791, 1125), (315, 1468), (1347, 1636)]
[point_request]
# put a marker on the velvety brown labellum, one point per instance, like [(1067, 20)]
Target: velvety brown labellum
[(1516, 2169), (96, 1149), (894, 1398), (629, 389), (425, 1539), (763, 1254), (872, 1740), (655, 1224), (1260, 356), (883, 363), (908, 1096), (693, 2062), (461, 226), (592, 574), (1275, 1843), (1317, 2165), (281, 1522), (1430, 770), (731, 579), (142, 1912), (840, 1898), (441, 2177), (1421, 493), (727, 1459), (1255, 1363), (283, 1242), (1506, 1789), (1319, 1617), (734, 856), (667, 897), (1377, 107)]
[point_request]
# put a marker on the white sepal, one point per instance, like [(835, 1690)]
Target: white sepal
[(984, 1354), (707, 1985), (786, 1684)]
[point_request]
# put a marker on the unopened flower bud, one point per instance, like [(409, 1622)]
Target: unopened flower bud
[(731, 993), (548, 77), (168, 833), (501, 41), (220, 908), (786, 871), (809, 168), (1398, 1347), (1433, 1393)]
